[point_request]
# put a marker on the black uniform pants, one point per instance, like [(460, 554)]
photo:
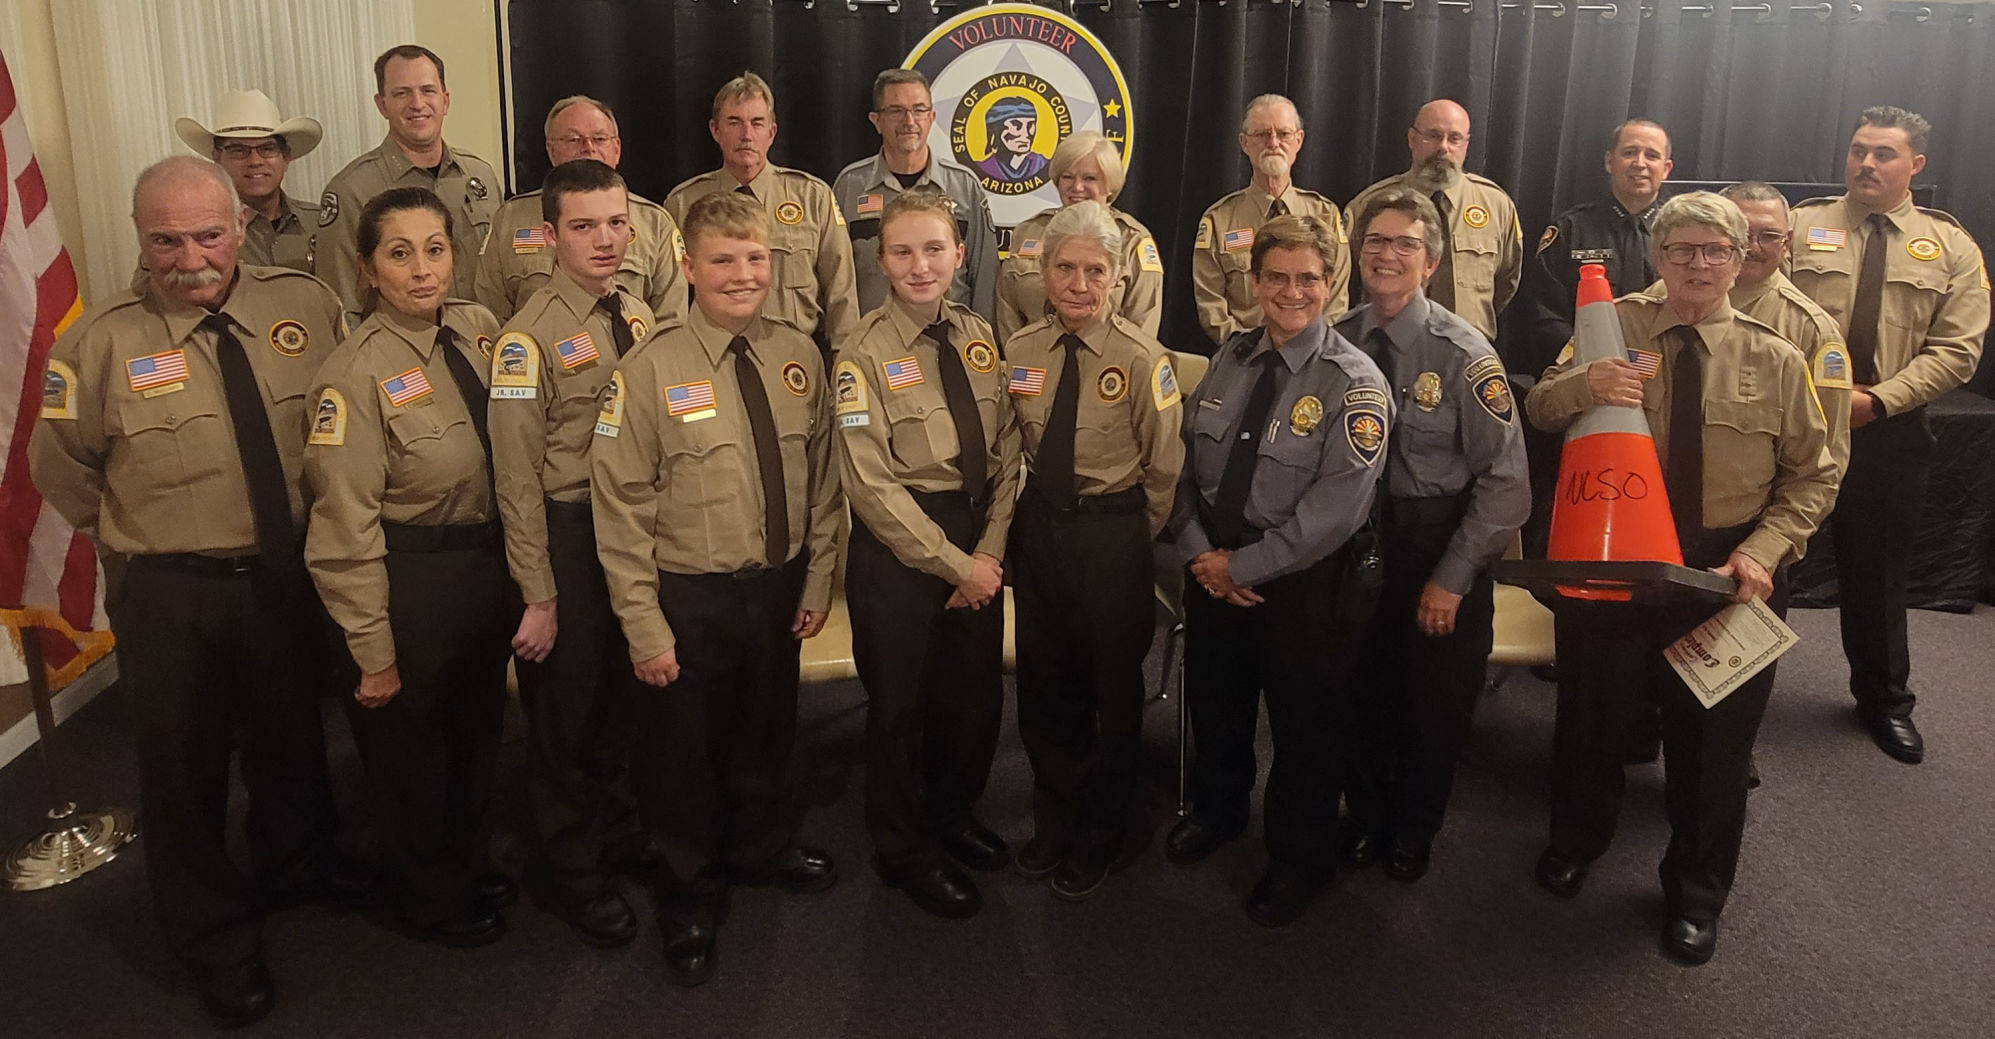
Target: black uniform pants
[(713, 749), (1415, 693), (1083, 586), (1296, 648), (1877, 517), (1611, 669), (580, 706), (430, 752), (934, 682), (205, 654)]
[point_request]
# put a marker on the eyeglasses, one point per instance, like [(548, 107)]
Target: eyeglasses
[(1769, 239), (576, 140), (1281, 280), (1274, 136), (1401, 245), (241, 152), (896, 113), (1441, 137), (1715, 254)]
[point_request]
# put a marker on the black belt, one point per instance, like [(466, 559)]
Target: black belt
[(747, 573), (570, 510), (447, 537), (1118, 503), (932, 502), (1422, 512), (212, 566)]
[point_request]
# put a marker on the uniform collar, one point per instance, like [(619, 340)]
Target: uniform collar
[(181, 319), (1855, 213), (1454, 194), (419, 333), (1296, 352), (1712, 329), (1744, 296), (1090, 333), (714, 339), (908, 327), (879, 176), (398, 160), (1645, 217), (1262, 199), (762, 185), (290, 215), (1404, 327), (578, 300)]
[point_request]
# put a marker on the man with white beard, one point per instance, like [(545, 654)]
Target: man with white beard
[(1271, 138), (1482, 254)]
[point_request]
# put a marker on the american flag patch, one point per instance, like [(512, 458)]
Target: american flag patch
[(872, 203), (1237, 239), (1027, 382), (406, 387), (157, 370), (688, 396), (530, 238), (1648, 362), (1029, 248), (1828, 237), (578, 350), (902, 373)]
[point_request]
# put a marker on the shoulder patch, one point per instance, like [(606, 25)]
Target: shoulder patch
[(1360, 395), (59, 391), (1482, 368), (796, 380), (1493, 393), (289, 338), (329, 420), (1551, 235), (848, 401), (1147, 257), (609, 408), (1364, 430), (1565, 353), (516, 367), (1164, 384), (1832, 366), (328, 209), (1923, 248), (1204, 240), (678, 246)]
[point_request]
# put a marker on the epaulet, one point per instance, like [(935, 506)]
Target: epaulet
[(1578, 209), (1351, 318), (1224, 199), (464, 156), (783, 322), (635, 200), (688, 183), (785, 171), (1135, 331), (1642, 297), (1655, 293), (282, 274), (1819, 200), (1455, 329), (1319, 196), (1357, 365), (1042, 217), (1031, 327), (308, 207), (103, 309), (1941, 215), (867, 322), (1756, 324), (1478, 178), (531, 310), (963, 312), (1130, 223), (851, 167), (1239, 339)]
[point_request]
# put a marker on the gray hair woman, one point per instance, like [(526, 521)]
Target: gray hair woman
[(1086, 167)]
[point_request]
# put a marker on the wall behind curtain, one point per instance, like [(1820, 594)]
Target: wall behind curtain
[(1745, 93)]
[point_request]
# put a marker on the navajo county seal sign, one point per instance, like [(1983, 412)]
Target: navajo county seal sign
[(1010, 82)]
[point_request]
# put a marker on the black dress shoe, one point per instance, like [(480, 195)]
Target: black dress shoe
[(1040, 857), (496, 890), (236, 995), (1282, 894), (603, 922), (1358, 846), (975, 846), (1895, 736), (941, 889), (1752, 773), (1687, 941), (1406, 859), (689, 951), (482, 926), (1559, 875), (1196, 836), (801, 871), (1081, 873)]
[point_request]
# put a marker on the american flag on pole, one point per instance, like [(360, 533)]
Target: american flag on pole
[(49, 579)]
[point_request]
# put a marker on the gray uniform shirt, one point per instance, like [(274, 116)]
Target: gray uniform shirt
[(1320, 451), (1457, 430), (863, 190)]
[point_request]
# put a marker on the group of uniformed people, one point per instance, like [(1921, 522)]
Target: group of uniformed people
[(601, 438)]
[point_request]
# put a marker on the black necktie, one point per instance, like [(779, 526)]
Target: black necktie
[(962, 403), (1864, 309), (262, 468), (1229, 508), (1053, 463), (1379, 346), (745, 190), (1277, 208), (768, 454), (469, 386), (619, 328), (1685, 477), (1441, 287)]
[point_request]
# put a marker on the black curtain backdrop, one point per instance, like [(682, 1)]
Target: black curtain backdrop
[(1767, 91)]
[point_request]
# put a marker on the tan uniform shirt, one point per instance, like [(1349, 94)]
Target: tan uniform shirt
[(1127, 416), (1777, 304), (292, 240), (145, 463), (1137, 295), (810, 266), (547, 385), (370, 460), (466, 184), (1223, 252), (895, 440), (515, 267), (1489, 245), (1766, 449), (676, 476), (1934, 309)]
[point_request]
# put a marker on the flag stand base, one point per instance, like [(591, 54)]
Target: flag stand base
[(76, 842)]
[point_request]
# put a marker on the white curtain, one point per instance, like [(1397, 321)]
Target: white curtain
[(130, 67)]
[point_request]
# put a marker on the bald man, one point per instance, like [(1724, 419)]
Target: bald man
[(1482, 255)]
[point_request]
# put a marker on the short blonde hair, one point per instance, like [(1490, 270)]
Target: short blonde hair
[(1089, 220), (1697, 209), (741, 88), (727, 214), (1086, 144), (1295, 232), (920, 200)]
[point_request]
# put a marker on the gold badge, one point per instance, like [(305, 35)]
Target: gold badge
[(329, 420), (289, 338), (1113, 383), (795, 379), (1923, 248), (1475, 216), (637, 329), (1305, 416), (1427, 391), (980, 357), (485, 347), (790, 213)]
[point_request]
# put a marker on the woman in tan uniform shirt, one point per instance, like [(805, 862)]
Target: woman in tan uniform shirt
[(1085, 168), (404, 546)]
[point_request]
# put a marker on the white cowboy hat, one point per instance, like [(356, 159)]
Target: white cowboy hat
[(250, 113)]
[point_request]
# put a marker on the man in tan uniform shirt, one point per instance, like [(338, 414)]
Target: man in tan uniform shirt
[(1910, 290), (172, 432), (518, 256), (1484, 255), (810, 263), (256, 145), (1271, 137), (410, 94), (551, 369), (718, 517)]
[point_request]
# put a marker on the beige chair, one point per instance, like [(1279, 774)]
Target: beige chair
[(1523, 628)]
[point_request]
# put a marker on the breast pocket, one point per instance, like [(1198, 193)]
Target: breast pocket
[(429, 454), (923, 434), (1209, 446), (1429, 432), (1024, 287), (1287, 469), (702, 463), (1236, 264), (1104, 441), (1829, 283), (1475, 257), (172, 445), (793, 275), (1740, 442), (1911, 297)]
